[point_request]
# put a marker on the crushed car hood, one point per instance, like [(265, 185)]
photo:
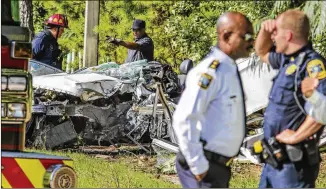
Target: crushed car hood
[(77, 84), (96, 82)]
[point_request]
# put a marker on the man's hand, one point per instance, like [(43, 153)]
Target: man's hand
[(306, 129), (113, 40), (201, 176), (264, 41), (269, 26), (308, 85), (286, 137)]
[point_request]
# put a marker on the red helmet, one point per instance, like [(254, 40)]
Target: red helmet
[(57, 20)]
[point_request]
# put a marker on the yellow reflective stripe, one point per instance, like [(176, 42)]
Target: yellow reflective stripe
[(68, 162), (4, 182), (33, 169)]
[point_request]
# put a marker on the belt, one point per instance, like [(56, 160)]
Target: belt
[(210, 156), (217, 158)]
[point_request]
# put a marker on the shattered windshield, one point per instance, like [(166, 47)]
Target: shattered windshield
[(125, 71), (37, 68)]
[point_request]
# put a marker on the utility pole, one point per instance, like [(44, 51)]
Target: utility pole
[(92, 14), (26, 14)]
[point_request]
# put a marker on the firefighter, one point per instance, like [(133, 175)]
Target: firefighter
[(141, 48), (45, 43), (283, 44), (209, 120)]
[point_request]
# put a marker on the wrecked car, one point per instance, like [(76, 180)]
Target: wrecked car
[(104, 104)]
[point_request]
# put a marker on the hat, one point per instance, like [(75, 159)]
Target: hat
[(138, 24)]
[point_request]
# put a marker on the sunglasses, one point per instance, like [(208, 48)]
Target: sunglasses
[(135, 30), (248, 37)]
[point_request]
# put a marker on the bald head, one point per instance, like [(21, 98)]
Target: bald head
[(296, 21), (232, 21), (235, 34)]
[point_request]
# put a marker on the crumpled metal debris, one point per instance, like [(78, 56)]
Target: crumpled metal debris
[(110, 98)]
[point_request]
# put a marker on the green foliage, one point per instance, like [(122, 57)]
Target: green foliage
[(316, 12), (100, 173), (15, 10), (179, 29)]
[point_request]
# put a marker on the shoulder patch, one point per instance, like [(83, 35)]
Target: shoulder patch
[(291, 69), (214, 65), (205, 81), (316, 68)]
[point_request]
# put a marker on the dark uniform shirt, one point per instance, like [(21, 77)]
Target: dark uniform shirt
[(145, 50), (46, 49), (282, 111)]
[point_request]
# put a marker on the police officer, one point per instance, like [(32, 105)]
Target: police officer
[(285, 117), (141, 48), (209, 120), (45, 43), (316, 107)]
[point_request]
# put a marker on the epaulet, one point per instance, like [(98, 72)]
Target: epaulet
[(205, 79), (214, 65)]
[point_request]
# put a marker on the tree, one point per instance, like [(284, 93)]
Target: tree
[(26, 14), (316, 12), (180, 29)]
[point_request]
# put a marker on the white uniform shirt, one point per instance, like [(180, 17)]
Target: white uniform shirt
[(316, 107), (215, 114)]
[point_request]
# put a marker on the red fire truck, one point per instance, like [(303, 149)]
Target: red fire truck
[(19, 168)]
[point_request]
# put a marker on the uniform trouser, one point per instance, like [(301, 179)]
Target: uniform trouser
[(298, 175), (218, 176)]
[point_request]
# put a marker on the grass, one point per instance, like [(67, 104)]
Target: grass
[(245, 175), (100, 173), (139, 172), (321, 181), (248, 175)]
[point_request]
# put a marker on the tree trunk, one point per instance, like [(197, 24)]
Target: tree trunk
[(26, 14)]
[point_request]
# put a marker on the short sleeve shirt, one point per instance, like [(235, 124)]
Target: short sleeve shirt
[(283, 110), (144, 51)]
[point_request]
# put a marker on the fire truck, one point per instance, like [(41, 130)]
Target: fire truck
[(21, 168)]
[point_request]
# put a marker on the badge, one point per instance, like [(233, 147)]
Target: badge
[(316, 68), (292, 59), (291, 69), (205, 80)]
